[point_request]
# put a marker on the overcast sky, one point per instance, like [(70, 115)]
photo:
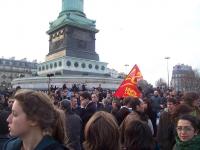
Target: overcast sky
[(132, 32)]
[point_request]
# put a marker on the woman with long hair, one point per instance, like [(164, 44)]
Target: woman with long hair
[(35, 123), (136, 135), (101, 132)]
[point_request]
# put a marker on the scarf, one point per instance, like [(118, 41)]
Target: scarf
[(193, 144)]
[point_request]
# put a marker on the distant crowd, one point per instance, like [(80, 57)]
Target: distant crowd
[(78, 118)]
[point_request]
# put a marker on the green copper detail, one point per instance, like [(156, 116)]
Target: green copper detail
[(72, 5), (72, 14)]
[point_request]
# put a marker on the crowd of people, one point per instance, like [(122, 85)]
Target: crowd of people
[(63, 118)]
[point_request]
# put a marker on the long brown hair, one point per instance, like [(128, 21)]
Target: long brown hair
[(101, 132), (137, 135), (39, 107)]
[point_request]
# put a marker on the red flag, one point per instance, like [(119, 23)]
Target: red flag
[(129, 86)]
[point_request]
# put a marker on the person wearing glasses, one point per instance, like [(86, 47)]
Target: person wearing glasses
[(188, 133)]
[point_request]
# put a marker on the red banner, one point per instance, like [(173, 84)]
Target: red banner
[(129, 86)]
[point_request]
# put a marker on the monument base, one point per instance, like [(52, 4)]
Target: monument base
[(71, 65), (42, 83)]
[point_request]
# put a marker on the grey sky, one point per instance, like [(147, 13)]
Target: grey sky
[(132, 32)]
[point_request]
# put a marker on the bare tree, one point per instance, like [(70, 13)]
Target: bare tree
[(146, 87), (161, 83)]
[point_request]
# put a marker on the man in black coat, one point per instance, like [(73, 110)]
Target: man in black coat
[(88, 108)]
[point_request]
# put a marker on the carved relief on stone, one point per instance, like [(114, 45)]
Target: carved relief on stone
[(57, 40), (57, 36), (57, 45)]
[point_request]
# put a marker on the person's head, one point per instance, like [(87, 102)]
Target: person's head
[(18, 88), (181, 109), (116, 104), (127, 101), (109, 94), (64, 93), (136, 135), (156, 93), (187, 127), (171, 105), (147, 103), (180, 99), (94, 98), (65, 105), (74, 102), (10, 102), (191, 99), (121, 114), (2, 99), (85, 98), (76, 94), (137, 104), (172, 94), (130, 117), (34, 111), (101, 132)]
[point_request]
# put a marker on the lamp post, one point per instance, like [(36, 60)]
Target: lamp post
[(167, 58), (126, 68), (49, 75)]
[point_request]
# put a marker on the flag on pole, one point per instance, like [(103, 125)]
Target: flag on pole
[(129, 86)]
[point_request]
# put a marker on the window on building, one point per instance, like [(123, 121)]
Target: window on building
[(60, 63), (51, 66), (96, 67), (47, 67), (68, 63), (83, 65), (90, 66), (76, 64), (102, 68), (55, 65)]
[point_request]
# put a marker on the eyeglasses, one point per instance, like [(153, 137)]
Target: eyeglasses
[(185, 129)]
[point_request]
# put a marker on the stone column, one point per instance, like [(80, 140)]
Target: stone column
[(72, 5)]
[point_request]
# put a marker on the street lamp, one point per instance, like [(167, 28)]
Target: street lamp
[(167, 58), (49, 75), (126, 68)]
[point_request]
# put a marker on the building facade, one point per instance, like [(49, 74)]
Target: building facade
[(183, 78), (11, 69)]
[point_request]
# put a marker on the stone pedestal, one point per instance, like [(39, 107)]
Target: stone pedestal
[(41, 83)]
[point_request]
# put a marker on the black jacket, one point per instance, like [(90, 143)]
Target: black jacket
[(47, 143)]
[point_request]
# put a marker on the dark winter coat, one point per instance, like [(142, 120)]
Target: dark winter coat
[(73, 131), (47, 143), (85, 114)]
